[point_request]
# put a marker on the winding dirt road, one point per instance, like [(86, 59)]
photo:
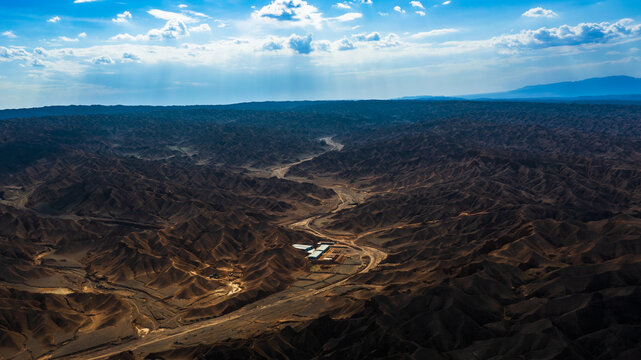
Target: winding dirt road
[(281, 170), (268, 311)]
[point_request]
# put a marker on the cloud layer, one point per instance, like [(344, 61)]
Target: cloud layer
[(342, 39), (566, 35)]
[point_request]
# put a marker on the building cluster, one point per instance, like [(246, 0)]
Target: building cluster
[(314, 253)]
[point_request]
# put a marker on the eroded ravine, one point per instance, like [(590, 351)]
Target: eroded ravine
[(267, 311)]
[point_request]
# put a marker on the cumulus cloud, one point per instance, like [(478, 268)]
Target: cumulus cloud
[(122, 18), (398, 9), (54, 19), (129, 57), (41, 52), (173, 29), (10, 54), (374, 36), (417, 4), (291, 12), (37, 63), (322, 45), (539, 12), (431, 33), (183, 6), (422, 13), (301, 44), (389, 41), (376, 39), (273, 44), (102, 60), (82, 35), (446, 2), (342, 5), (220, 24), (344, 44), (9, 34), (584, 33)]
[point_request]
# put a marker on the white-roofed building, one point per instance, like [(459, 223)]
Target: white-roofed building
[(323, 248), (303, 247), (315, 255)]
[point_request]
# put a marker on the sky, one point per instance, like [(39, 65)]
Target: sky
[(60, 52)]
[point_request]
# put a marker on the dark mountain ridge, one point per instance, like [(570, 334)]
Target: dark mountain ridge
[(487, 230)]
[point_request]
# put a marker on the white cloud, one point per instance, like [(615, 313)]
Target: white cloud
[(431, 33), (382, 13), (301, 44), (130, 57), (38, 63), (200, 28), (290, 12), (41, 52), (344, 44), (67, 39), (183, 6), (342, 5), (446, 2), (102, 60), (417, 4), (540, 12), (197, 14), (398, 9), (54, 19), (173, 29), (220, 24), (273, 44), (367, 37), (9, 34), (388, 41), (10, 54), (84, 1), (82, 35), (421, 13), (168, 15), (348, 17), (322, 45), (122, 18), (565, 35)]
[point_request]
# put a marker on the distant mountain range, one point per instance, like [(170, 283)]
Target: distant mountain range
[(606, 89)]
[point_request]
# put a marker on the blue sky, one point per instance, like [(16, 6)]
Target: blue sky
[(224, 51)]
